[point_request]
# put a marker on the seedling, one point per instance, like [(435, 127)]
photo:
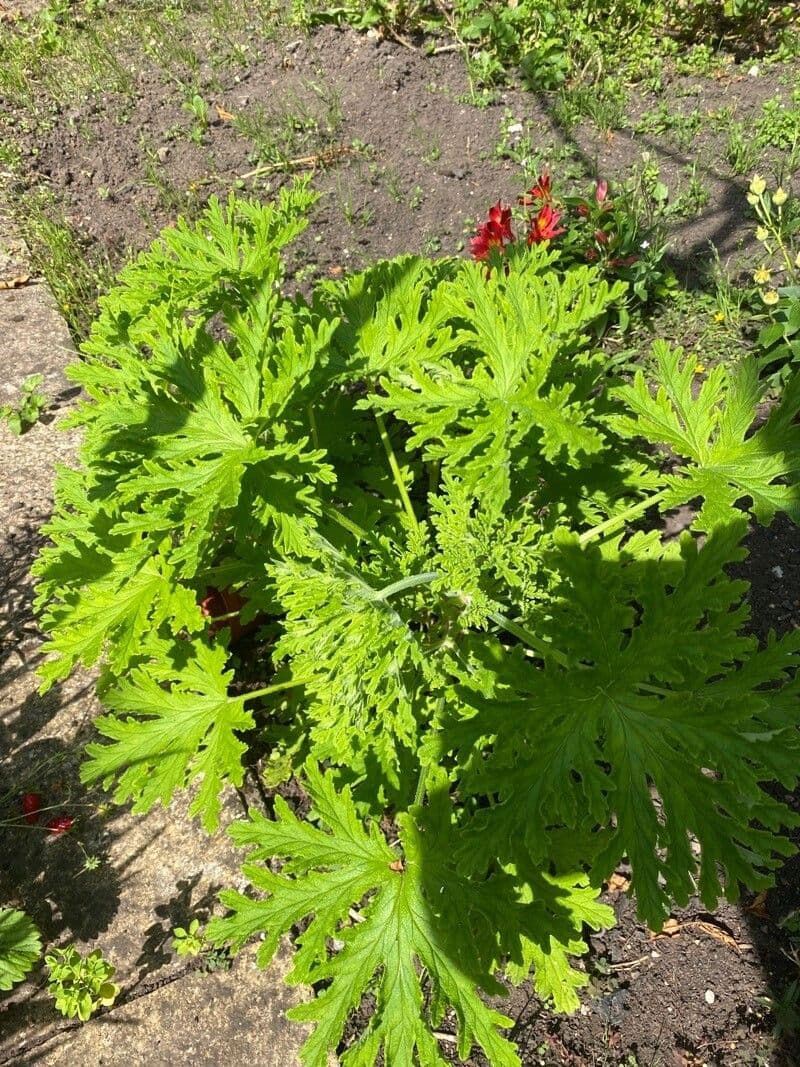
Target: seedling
[(32, 403), (80, 984)]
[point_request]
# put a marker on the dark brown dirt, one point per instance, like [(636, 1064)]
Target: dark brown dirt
[(417, 165), (421, 163)]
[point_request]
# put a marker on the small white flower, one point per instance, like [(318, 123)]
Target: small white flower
[(644, 244), (515, 127)]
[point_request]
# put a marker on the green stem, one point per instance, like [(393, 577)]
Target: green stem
[(433, 475), (402, 584), (395, 468), (624, 516), (313, 424), (419, 795), (531, 640), (254, 694), (346, 523)]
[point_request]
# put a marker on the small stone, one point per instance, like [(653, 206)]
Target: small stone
[(162, 153), (777, 571), (710, 996)]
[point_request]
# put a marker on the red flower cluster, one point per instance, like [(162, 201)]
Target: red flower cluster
[(544, 224), (496, 232), (544, 217)]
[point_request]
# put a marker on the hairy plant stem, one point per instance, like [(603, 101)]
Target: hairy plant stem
[(419, 794), (624, 516), (294, 683), (395, 468), (411, 582), (346, 523), (531, 640)]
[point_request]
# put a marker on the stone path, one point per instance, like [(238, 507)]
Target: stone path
[(153, 872)]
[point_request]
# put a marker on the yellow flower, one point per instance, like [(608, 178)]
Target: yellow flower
[(719, 316), (762, 233), (761, 276), (757, 185), (699, 368), (752, 199), (780, 196), (770, 297)]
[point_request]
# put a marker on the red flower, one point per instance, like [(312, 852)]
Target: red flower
[(31, 806), (601, 237), (591, 255), (494, 233), (601, 191), (583, 210), (544, 225), (540, 193), (500, 220), (60, 824)]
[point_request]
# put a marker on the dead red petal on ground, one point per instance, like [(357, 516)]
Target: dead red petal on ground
[(224, 114), (15, 283)]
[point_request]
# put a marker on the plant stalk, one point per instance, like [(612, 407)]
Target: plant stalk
[(624, 516), (531, 640), (294, 683), (395, 468), (411, 582)]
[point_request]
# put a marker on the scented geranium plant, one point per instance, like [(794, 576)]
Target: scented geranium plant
[(488, 669)]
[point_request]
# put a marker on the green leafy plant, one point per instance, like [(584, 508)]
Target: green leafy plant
[(31, 404), (490, 674), (80, 984), (552, 43), (198, 108), (189, 941), (20, 946)]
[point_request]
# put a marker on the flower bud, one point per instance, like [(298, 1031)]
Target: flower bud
[(770, 297), (780, 196), (761, 233), (757, 185)]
